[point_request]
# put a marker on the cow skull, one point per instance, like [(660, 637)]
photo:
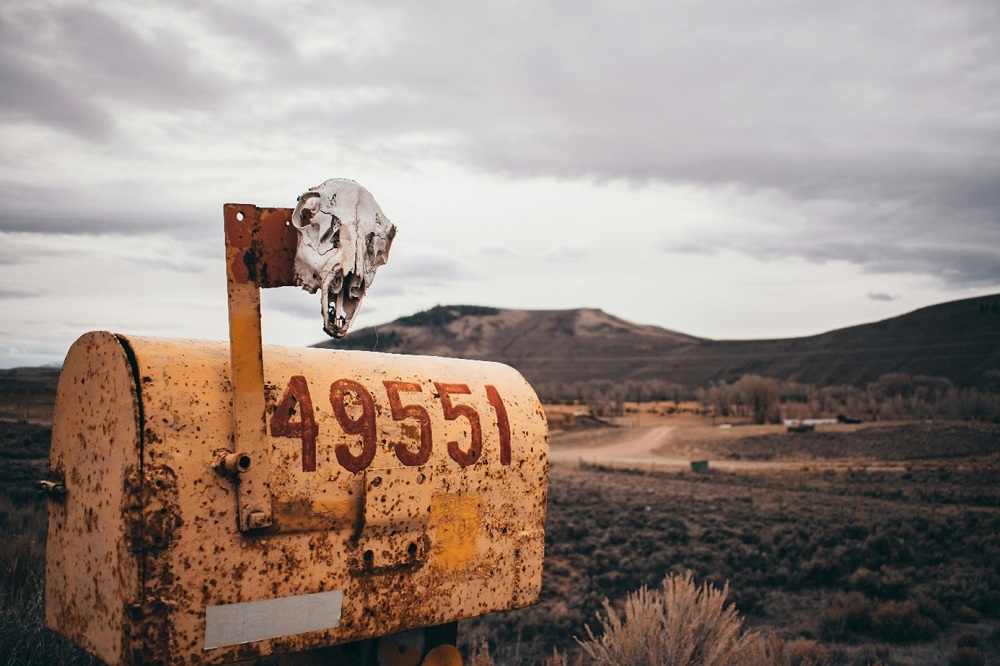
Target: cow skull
[(343, 239)]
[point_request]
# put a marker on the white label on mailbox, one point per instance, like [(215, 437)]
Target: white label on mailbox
[(233, 624)]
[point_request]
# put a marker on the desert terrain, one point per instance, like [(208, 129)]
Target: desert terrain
[(855, 544)]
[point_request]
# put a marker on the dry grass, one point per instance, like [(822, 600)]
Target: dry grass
[(815, 555), (679, 624), (22, 561), (480, 655)]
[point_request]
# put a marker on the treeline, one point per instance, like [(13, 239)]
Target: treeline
[(895, 396)]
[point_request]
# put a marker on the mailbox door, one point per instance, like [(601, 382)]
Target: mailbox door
[(405, 492), (92, 579)]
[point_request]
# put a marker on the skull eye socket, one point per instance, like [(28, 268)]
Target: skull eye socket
[(306, 210)]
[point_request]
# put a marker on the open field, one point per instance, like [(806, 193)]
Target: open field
[(892, 554), (28, 394), (878, 542)]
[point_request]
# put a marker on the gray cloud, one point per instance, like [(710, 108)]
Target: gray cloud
[(499, 252), (15, 294), (242, 29), (19, 214), (30, 93), (874, 127), (42, 207), (566, 255), (171, 264), (69, 67), (427, 268), (293, 303), (111, 57), (882, 296), (956, 266), (887, 109), (10, 258)]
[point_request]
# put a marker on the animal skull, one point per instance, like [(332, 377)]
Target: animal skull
[(343, 239)]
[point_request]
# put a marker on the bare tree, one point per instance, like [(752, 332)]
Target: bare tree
[(760, 394)]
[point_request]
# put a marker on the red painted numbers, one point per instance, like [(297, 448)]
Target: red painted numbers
[(363, 424), (354, 408), (452, 412), (403, 413), (297, 394), (502, 423)]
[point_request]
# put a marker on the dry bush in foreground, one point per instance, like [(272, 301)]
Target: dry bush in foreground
[(677, 624)]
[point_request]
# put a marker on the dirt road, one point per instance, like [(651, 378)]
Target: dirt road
[(659, 448), (621, 446)]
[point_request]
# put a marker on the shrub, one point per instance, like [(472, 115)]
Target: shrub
[(804, 652), (887, 583), (678, 624), (967, 656), (964, 613), (932, 610), (480, 655), (847, 615), (902, 622), (799, 652)]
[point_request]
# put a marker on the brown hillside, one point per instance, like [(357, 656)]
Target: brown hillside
[(959, 340)]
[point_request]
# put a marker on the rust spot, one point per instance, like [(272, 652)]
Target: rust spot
[(263, 243), (401, 561), (161, 516), (251, 258), (307, 514)]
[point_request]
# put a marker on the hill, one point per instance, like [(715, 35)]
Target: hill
[(959, 340)]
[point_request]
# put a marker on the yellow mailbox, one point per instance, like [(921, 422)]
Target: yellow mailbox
[(380, 493)]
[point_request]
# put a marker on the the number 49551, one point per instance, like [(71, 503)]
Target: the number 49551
[(354, 408)]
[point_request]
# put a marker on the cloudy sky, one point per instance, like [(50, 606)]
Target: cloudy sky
[(725, 169)]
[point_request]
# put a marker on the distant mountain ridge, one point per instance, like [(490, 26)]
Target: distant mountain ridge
[(959, 340)]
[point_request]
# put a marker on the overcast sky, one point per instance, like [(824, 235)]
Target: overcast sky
[(724, 169)]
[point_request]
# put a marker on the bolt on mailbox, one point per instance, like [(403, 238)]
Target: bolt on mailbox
[(355, 495)]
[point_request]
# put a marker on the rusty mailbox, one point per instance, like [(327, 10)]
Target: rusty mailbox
[(220, 502)]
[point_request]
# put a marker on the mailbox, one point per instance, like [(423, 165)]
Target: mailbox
[(405, 492), (215, 503)]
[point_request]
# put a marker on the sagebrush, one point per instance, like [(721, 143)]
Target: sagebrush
[(677, 624)]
